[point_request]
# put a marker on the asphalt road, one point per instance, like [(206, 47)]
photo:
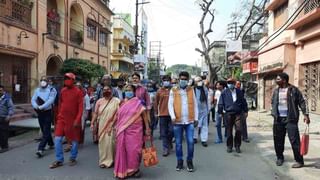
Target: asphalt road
[(212, 162)]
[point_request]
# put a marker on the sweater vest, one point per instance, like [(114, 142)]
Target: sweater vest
[(177, 104)]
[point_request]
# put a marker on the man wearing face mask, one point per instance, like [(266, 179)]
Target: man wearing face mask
[(286, 100), (232, 101), (202, 100), (161, 110), (42, 101), (6, 111), (106, 80), (120, 85), (69, 120), (183, 110)]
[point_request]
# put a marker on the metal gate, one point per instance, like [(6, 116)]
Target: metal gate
[(20, 74), (311, 86)]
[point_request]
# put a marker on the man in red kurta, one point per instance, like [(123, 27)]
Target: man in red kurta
[(69, 120)]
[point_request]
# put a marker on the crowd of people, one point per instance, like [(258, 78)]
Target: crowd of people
[(122, 117)]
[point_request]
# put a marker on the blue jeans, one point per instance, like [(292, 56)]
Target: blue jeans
[(166, 132), (59, 149), (45, 120), (218, 125), (178, 132)]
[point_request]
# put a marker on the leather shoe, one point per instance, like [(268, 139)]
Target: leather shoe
[(279, 162), (204, 144), (297, 165), (229, 149), (238, 150)]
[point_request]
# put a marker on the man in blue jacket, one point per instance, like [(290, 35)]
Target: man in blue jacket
[(233, 103), (6, 111)]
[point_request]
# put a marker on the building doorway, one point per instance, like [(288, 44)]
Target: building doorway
[(53, 66)]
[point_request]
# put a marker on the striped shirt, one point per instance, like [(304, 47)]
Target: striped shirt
[(283, 102)]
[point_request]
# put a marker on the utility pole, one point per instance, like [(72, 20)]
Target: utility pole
[(136, 29)]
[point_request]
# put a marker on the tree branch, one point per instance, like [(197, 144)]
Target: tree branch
[(247, 20)]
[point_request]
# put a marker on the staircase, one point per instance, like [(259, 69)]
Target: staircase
[(23, 111)]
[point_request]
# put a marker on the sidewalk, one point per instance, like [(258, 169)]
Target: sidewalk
[(260, 132)]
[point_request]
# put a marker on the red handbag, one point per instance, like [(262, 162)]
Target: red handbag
[(304, 146), (149, 154)]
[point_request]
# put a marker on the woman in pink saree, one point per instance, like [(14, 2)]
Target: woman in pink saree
[(129, 135)]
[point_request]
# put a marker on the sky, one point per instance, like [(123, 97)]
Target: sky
[(176, 24)]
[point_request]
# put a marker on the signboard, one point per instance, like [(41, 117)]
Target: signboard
[(233, 51)]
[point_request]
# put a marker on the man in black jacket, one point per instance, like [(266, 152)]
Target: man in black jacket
[(285, 102), (232, 102)]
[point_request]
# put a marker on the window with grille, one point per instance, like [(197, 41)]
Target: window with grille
[(91, 31)]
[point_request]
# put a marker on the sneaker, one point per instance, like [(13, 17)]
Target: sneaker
[(190, 166), (179, 165), (165, 153), (4, 150), (229, 149), (279, 162), (204, 144), (39, 154), (238, 150), (246, 140), (218, 142), (297, 165)]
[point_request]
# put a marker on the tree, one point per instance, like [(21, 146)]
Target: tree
[(207, 46), (256, 16), (83, 68), (177, 68)]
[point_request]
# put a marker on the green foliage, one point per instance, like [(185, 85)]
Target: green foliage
[(153, 70), (177, 68), (83, 68)]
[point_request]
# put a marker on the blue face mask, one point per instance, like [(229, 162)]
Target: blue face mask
[(183, 83), (129, 94), (231, 86), (166, 83)]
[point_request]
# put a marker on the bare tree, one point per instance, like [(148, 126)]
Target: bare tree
[(256, 16), (207, 45)]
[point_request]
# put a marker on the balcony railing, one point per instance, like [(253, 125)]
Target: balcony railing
[(53, 27), (311, 5), (16, 11), (76, 36)]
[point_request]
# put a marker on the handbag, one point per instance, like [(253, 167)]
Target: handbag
[(149, 154), (304, 146)]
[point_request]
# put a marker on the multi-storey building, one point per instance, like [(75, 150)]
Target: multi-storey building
[(123, 41), (294, 42), (36, 36)]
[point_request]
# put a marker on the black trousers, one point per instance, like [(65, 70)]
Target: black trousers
[(280, 128), (45, 119), (4, 133), (244, 127), (233, 120)]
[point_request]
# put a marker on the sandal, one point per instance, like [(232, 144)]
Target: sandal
[(56, 164), (72, 162), (103, 166), (137, 174)]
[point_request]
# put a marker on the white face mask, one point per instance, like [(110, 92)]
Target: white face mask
[(43, 83), (200, 83)]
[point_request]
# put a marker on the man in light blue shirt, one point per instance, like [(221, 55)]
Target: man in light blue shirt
[(42, 101)]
